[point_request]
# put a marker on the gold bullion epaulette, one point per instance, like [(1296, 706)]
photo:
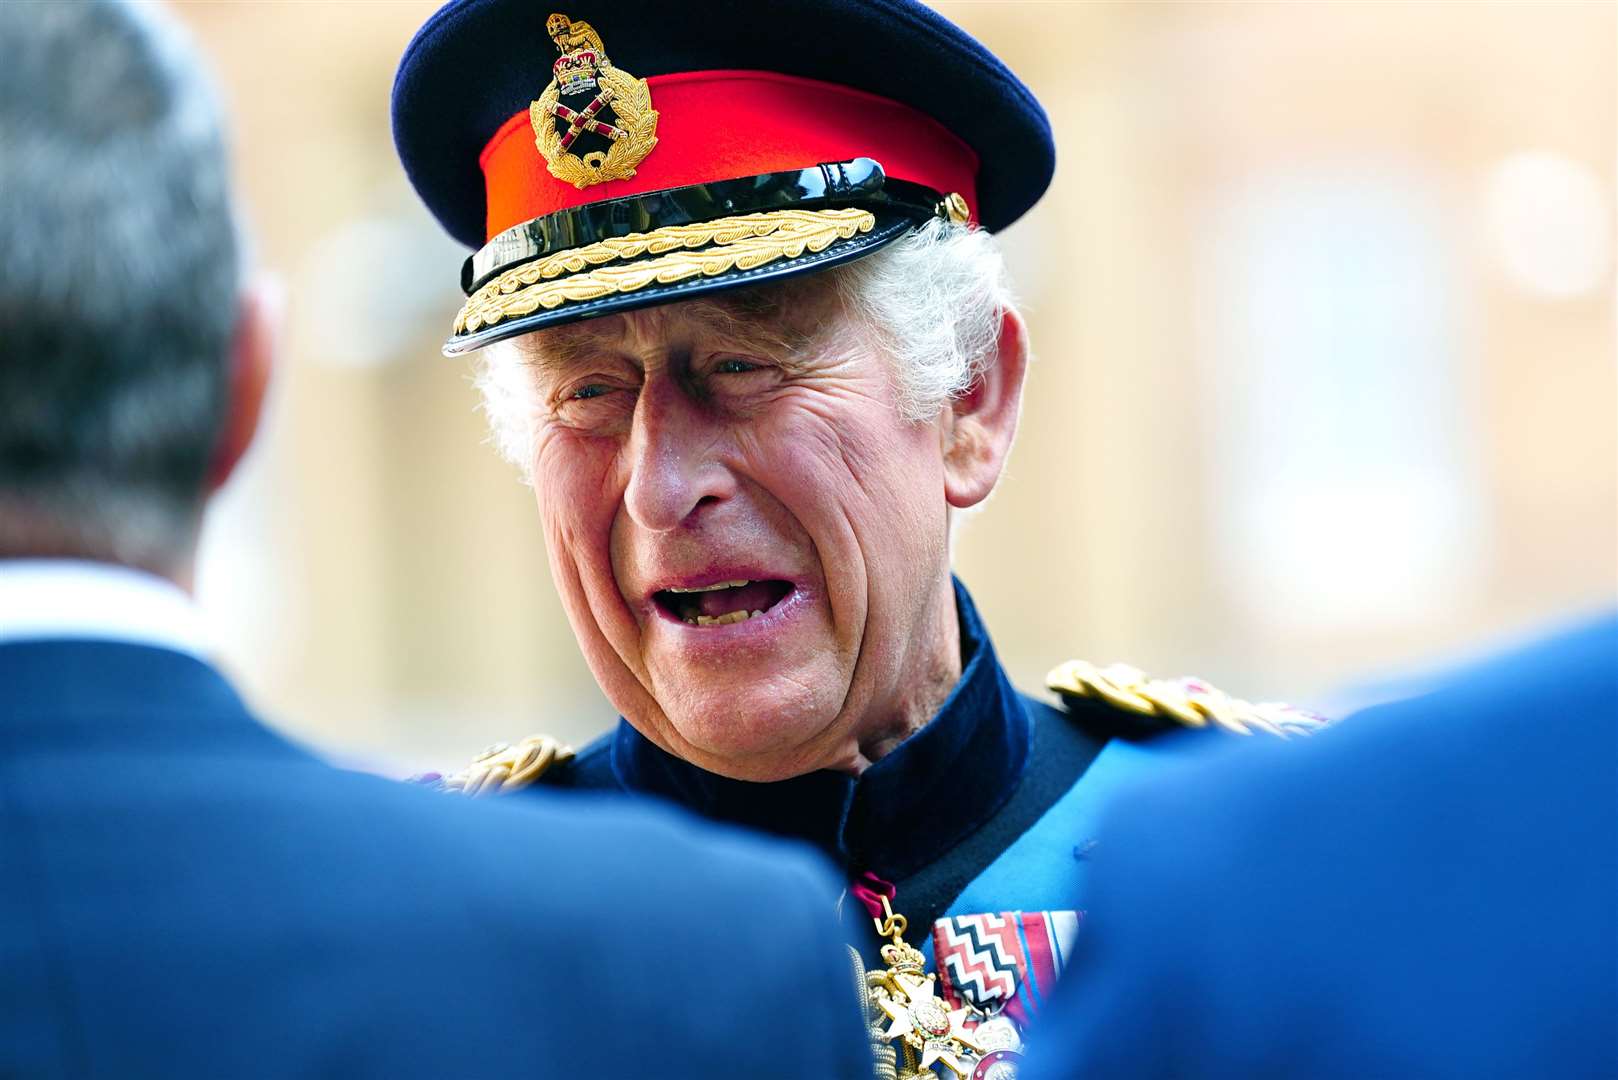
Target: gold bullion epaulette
[(1185, 702), (506, 767)]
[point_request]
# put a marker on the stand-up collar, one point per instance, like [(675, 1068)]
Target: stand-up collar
[(908, 808)]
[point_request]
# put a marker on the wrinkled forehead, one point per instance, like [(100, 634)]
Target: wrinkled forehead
[(780, 319)]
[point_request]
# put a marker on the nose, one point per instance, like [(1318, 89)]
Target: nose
[(674, 465)]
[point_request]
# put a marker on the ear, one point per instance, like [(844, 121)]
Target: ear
[(252, 357), (981, 423)]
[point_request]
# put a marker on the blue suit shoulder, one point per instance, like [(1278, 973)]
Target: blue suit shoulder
[(654, 931), (1428, 889), (182, 892)]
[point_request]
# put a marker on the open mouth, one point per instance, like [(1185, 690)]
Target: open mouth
[(723, 603)]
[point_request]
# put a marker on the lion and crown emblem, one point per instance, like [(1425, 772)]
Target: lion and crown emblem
[(594, 122)]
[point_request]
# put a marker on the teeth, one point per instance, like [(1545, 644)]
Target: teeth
[(714, 588), (721, 620)]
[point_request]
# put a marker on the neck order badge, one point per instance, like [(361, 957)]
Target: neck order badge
[(921, 1026), (993, 971)]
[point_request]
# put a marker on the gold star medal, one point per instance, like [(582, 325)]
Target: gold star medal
[(927, 1031)]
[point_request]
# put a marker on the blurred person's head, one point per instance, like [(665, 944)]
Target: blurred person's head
[(802, 447), (132, 358)]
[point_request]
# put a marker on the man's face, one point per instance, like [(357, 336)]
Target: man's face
[(750, 541)]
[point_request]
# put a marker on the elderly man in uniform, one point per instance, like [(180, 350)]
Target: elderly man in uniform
[(740, 318)]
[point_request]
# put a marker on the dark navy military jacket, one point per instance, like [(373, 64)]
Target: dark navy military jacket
[(183, 893), (986, 809), (1428, 890)]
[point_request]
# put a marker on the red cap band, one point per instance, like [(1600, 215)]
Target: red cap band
[(722, 125)]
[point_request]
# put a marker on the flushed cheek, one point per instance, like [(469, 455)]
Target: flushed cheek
[(573, 480), (869, 490), (562, 484), (869, 473), (813, 486)]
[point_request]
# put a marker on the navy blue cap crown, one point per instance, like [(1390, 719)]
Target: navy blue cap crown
[(477, 62), (621, 153)]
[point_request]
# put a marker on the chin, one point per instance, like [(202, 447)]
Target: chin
[(759, 739)]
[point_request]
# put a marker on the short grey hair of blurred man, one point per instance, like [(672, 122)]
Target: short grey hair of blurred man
[(120, 291)]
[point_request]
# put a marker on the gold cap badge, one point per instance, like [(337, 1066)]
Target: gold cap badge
[(594, 122)]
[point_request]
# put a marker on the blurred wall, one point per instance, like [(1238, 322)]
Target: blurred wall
[(1323, 305)]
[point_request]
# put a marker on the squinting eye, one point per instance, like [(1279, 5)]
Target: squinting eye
[(733, 367), (584, 393)]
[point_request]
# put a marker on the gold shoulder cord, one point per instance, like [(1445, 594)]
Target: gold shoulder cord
[(504, 767), (1186, 701), (884, 1056)]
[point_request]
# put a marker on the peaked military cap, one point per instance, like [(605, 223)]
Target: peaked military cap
[(609, 154)]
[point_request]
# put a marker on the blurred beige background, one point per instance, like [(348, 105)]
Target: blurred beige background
[(1324, 307)]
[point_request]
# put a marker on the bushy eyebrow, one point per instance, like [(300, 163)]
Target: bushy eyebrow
[(563, 348), (781, 320)]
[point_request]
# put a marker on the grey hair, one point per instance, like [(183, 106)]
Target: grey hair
[(119, 279), (933, 300)]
